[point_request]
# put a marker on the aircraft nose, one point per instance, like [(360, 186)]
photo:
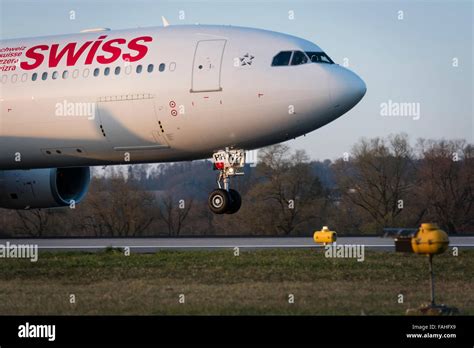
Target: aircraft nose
[(347, 89)]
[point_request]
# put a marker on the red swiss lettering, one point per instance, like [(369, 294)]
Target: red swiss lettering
[(71, 59), (135, 46), (111, 51), (114, 51), (37, 57)]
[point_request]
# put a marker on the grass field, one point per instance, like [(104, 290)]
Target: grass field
[(256, 282)]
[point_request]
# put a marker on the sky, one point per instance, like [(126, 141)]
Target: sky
[(416, 54)]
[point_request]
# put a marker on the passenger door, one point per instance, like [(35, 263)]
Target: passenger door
[(207, 66)]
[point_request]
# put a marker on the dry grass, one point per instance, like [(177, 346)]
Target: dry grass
[(256, 282)]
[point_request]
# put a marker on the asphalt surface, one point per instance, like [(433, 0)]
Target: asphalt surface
[(154, 244)]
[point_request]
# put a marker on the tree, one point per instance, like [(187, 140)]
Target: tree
[(116, 208), (34, 222), (173, 213), (446, 183), (378, 178), (287, 193)]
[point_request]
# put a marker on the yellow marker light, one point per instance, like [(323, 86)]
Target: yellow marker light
[(430, 240), (325, 236)]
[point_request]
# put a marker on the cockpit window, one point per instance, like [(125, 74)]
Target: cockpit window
[(299, 58), (282, 58), (319, 57)]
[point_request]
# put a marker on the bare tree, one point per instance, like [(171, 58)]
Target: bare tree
[(378, 178), (34, 222), (287, 195), (174, 213), (118, 209), (446, 182)]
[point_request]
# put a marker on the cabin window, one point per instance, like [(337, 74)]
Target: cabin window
[(34, 77), (65, 74), (85, 73), (14, 78), (162, 67), (150, 68), (282, 58), (44, 76), (117, 70), (54, 75), (106, 71), (139, 69), (96, 72)]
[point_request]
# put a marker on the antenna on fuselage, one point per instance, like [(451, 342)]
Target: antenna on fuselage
[(165, 21)]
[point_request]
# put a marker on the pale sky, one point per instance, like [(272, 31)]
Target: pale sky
[(407, 60)]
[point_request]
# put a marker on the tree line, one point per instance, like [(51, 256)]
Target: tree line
[(380, 183)]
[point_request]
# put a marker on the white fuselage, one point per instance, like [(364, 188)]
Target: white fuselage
[(217, 89)]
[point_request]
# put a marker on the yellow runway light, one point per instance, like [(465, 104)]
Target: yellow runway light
[(430, 240), (325, 236)]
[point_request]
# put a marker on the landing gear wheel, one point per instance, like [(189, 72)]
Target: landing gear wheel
[(219, 201), (229, 163), (236, 202)]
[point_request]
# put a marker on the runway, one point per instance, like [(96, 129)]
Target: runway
[(149, 245)]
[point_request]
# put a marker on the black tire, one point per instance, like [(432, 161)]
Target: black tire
[(236, 202), (219, 201)]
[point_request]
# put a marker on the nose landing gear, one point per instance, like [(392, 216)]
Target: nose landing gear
[(228, 163)]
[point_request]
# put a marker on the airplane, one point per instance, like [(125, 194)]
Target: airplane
[(159, 94)]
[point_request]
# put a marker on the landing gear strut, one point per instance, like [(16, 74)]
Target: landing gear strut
[(229, 163)]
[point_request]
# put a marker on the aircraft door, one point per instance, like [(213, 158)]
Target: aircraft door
[(207, 66)]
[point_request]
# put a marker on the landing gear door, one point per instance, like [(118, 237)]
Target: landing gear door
[(207, 66)]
